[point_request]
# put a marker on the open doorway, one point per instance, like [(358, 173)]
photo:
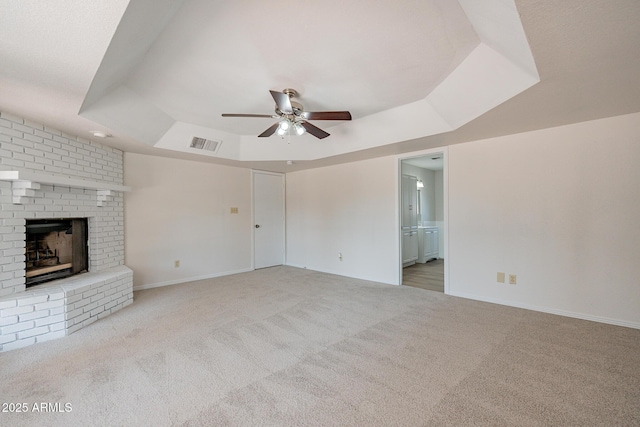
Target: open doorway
[(422, 217)]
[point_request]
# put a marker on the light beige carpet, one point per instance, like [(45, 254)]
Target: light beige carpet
[(286, 346)]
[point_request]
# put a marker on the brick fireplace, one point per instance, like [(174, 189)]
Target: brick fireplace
[(48, 175)]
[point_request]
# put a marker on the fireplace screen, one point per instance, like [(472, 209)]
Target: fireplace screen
[(55, 249)]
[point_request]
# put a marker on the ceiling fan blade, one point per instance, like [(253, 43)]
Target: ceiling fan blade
[(270, 131), (266, 116), (314, 130), (282, 101), (326, 115)]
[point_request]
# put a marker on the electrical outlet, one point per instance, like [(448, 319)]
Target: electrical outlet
[(500, 277), (234, 210), (176, 263), (512, 279)]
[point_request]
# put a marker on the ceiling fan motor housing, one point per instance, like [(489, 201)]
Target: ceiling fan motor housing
[(295, 106)]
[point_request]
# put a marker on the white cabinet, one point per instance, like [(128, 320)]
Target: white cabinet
[(431, 246), (409, 190), (428, 244), (409, 201), (409, 246)]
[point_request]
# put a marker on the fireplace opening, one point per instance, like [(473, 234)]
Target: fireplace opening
[(55, 248)]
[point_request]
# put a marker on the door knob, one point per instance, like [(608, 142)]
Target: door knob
[(257, 225)]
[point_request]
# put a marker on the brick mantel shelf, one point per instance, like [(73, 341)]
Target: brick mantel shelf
[(25, 183)]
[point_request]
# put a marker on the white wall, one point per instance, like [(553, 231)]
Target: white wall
[(350, 208), (180, 210), (558, 207)]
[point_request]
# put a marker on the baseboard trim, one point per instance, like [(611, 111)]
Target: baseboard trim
[(189, 279), (565, 313)]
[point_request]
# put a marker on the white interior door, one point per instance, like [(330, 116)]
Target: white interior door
[(268, 217)]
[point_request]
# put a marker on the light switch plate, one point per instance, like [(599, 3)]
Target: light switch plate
[(500, 277)]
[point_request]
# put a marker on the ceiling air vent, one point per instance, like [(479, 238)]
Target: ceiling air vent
[(205, 144)]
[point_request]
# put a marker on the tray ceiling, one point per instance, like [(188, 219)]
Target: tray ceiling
[(156, 73)]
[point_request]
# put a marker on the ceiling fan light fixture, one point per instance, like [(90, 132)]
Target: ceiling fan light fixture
[(300, 130), (284, 125)]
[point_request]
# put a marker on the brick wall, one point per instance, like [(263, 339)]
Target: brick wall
[(33, 147), (60, 307)]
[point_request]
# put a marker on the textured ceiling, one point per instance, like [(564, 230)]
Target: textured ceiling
[(191, 60), (37, 38)]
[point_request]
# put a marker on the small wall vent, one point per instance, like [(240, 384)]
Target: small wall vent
[(205, 144)]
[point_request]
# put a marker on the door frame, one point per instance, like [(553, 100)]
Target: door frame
[(253, 215), (444, 151)]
